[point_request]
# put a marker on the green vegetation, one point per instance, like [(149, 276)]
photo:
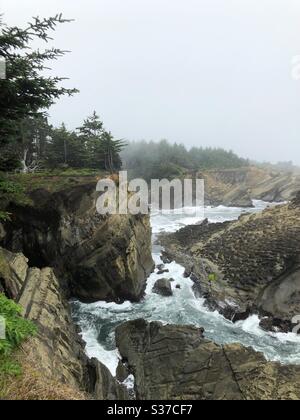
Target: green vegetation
[(28, 143), (165, 160), (213, 277), (10, 190), (56, 180), (88, 147), (17, 331), (26, 92)]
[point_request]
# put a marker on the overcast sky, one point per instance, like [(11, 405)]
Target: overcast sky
[(201, 72)]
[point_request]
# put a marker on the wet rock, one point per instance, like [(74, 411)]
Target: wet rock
[(160, 272), (176, 362), (163, 287), (165, 258), (267, 325), (122, 371), (276, 325)]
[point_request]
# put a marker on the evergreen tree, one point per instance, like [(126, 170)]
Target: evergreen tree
[(111, 150), (90, 134), (26, 91), (102, 151), (65, 149)]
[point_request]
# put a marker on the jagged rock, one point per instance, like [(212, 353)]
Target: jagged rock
[(176, 362), (160, 272), (57, 350), (247, 266), (98, 257), (122, 372), (105, 387), (163, 287)]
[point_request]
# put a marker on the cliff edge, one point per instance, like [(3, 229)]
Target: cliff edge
[(97, 257)]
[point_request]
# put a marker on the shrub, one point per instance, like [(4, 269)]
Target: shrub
[(10, 191), (17, 330)]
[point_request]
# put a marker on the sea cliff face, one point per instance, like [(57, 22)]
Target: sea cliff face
[(237, 187), (97, 257), (57, 352), (58, 247)]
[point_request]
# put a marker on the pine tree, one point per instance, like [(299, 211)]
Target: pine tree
[(90, 134), (65, 149), (111, 151), (27, 92)]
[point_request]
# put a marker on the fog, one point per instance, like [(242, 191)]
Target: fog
[(200, 72)]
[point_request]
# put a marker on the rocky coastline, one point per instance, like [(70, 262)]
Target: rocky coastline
[(171, 362), (250, 266), (56, 248), (59, 247), (57, 351), (238, 187)]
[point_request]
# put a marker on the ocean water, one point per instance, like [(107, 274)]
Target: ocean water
[(99, 320)]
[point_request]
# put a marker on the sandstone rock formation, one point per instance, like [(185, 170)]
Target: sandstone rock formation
[(99, 257), (176, 362), (248, 266), (57, 350)]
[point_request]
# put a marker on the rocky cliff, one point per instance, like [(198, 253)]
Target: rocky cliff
[(248, 266), (176, 362), (98, 257), (57, 352), (237, 187)]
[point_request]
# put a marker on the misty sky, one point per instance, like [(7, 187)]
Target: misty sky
[(200, 72)]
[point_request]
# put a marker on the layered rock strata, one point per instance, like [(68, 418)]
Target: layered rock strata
[(177, 363)]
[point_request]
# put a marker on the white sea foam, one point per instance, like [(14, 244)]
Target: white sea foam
[(95, 350), (99, 320)]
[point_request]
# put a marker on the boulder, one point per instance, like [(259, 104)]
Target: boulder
[(163, 287), (160, 272)]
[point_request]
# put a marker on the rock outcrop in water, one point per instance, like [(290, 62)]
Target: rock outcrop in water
[(163, 287), (248, 266), (57, 352), (99, 257), (176, 362)]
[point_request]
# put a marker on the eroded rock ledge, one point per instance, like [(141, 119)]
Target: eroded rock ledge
[(248, 266), (98, 257), (176, 362), (57, 350)]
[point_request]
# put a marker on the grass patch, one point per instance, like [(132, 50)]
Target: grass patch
[(32, 385), (56, 180)]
